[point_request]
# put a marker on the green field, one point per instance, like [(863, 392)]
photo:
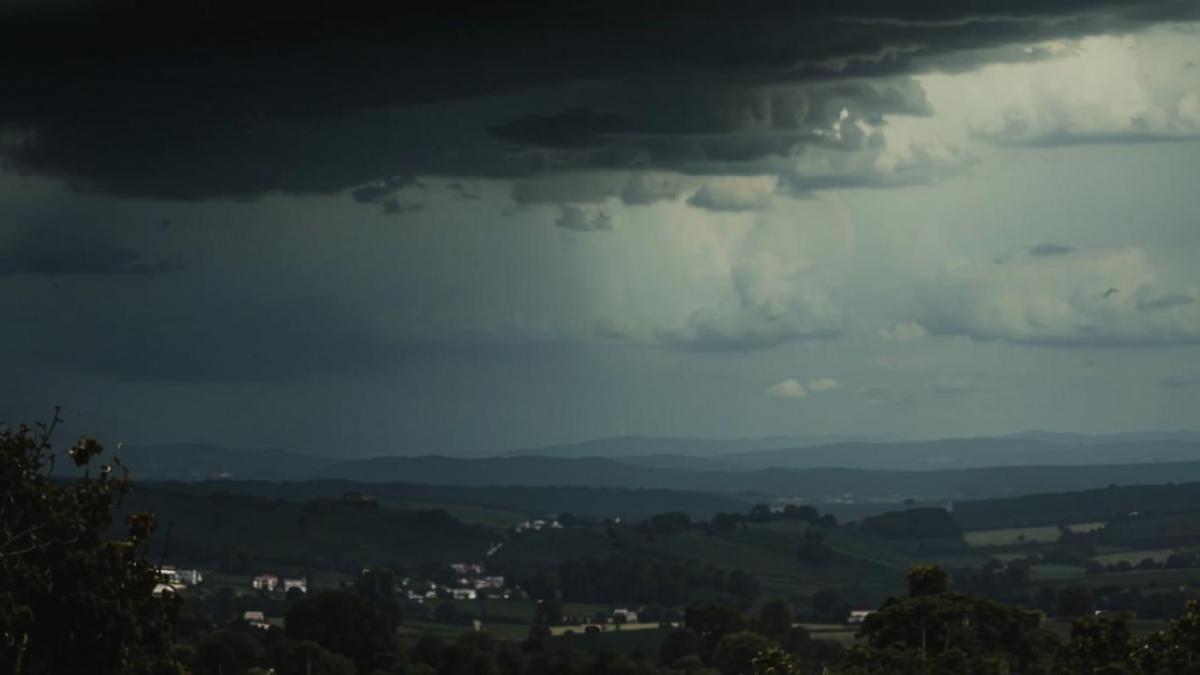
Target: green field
[(466, 513), (1135, 557), (1134, 578), (624, 641), (1013, 536), (1052, 572), (863, 566), (867, 569), (604, 628)]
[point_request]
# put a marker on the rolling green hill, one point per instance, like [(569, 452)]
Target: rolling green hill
[(508, 501), (234, 531), (1071, 507)]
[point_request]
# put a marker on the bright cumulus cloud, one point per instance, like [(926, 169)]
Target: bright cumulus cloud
[(789, 388), (793, 388)]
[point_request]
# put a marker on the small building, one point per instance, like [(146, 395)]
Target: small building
[(463, 593), (289, 584), (190, 577), (265, 582), (463, 569), (163, 589), (624, 616), (255, 619), (857, 616), (495, 582)]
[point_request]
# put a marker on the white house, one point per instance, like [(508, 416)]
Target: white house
[(251, 615), (858, 615), (289, 584), (463, 593), (265, 582), (624, 616)]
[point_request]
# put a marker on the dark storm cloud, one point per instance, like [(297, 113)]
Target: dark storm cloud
[(376, 193), (573, 129), (386, 194), (228, 99), (52, 253)]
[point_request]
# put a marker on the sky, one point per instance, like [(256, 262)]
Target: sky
[(352, 231)]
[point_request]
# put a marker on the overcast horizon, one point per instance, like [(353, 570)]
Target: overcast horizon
[(461, 232)]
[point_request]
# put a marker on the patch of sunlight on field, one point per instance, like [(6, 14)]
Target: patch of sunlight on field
[(1046, 534), (603, 628)]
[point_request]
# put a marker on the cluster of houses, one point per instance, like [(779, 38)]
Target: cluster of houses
[(470, 583), (534, 525), (271, 583), (172, 579)]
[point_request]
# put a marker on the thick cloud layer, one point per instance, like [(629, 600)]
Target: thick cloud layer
[(228, 100)]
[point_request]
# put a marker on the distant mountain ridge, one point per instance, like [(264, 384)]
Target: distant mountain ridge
[(632, 446), (976, 469), (970, 453), (192, 462)]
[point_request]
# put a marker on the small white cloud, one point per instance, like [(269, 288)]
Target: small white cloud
[(789, 388), (735, 193), (824, 384), (903, 332), (793, 388)]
